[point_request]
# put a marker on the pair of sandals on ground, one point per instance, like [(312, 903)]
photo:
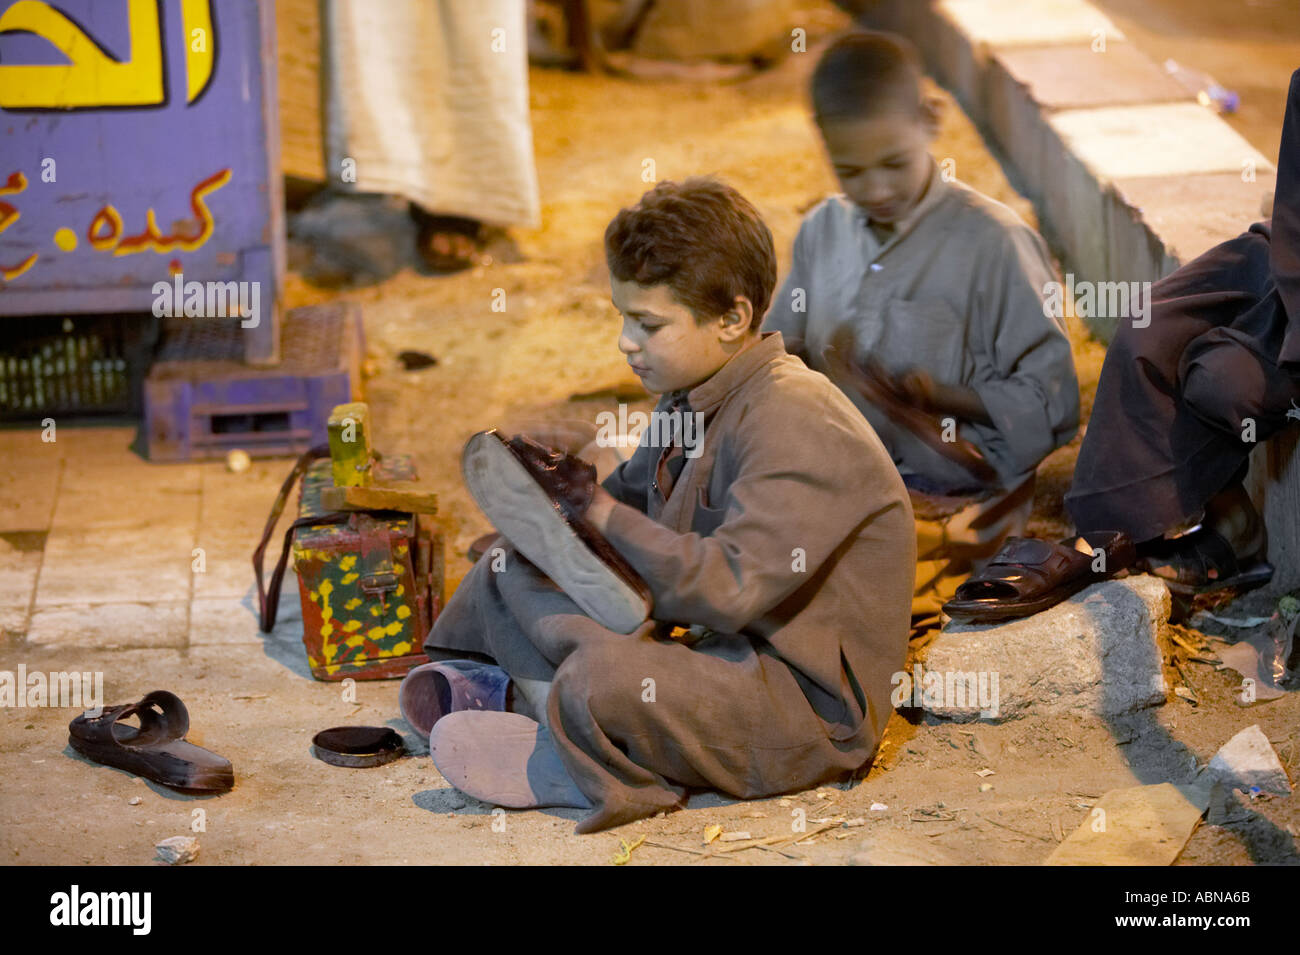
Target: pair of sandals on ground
[(1029, 575)]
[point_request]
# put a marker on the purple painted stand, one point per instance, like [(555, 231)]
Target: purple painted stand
[(134, 158)]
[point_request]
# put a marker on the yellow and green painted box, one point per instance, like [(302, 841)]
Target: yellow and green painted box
[(371, 584)]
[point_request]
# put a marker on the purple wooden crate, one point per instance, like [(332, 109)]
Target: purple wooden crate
[(202, 401), (139, 139)]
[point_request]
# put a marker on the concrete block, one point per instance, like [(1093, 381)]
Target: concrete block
[(1089, 149), (955, 60), (1005, 23), (1024, 85), (1180, 217), (1099, 653), (911, 18), (1074, 213), (1157, 139), (108, 626), (966, 33)]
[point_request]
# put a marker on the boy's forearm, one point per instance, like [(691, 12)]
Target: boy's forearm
[(960, 402)]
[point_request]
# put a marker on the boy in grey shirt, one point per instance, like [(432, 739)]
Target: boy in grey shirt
[(939, 287)]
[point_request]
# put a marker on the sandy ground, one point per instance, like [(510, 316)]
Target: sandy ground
[(253, 700)]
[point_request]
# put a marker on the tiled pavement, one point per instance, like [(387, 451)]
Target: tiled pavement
[(101, 549)]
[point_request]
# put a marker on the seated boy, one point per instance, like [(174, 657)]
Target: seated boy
[(938, 292), (774, 547)]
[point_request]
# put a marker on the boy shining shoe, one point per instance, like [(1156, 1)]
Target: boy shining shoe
[(768, 535), (924, 300)]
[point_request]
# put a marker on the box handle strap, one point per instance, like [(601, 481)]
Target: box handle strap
[(268, 599)]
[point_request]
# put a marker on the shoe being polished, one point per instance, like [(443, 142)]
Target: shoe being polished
[(537, 498)]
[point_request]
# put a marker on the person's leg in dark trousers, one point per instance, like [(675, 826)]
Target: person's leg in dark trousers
[(1182, 402)]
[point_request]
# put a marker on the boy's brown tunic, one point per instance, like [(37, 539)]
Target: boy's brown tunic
[(788, 543)]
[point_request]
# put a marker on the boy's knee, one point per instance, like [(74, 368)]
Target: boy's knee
[(600, 678), (1226, 388)]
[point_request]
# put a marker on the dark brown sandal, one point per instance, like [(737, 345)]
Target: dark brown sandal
[(1204, 561), (157, 750), (1028, 576)]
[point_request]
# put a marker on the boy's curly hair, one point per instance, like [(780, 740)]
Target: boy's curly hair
[(702, 239)]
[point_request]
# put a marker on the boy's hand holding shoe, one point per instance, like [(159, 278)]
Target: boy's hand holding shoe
[(958, 401), (600, 508), (544, 502)]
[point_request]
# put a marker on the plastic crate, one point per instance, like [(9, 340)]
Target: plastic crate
[(75, 365), (202, 401)]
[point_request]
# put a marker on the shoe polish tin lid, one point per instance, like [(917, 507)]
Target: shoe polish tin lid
[(357, 747)]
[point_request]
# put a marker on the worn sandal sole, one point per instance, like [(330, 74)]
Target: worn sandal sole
[(1002, 612), (522, 511), (142, 765)]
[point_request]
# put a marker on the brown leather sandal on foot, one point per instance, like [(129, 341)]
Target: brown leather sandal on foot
[(1204, 561)]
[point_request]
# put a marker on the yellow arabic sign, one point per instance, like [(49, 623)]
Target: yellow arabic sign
[(92, 78)]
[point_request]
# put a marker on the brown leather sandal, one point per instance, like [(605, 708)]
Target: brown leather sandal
[(1029, 575), (1204, 561), (157, 750)]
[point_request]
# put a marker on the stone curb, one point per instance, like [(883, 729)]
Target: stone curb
[(1131, 176), (1100, 653)]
